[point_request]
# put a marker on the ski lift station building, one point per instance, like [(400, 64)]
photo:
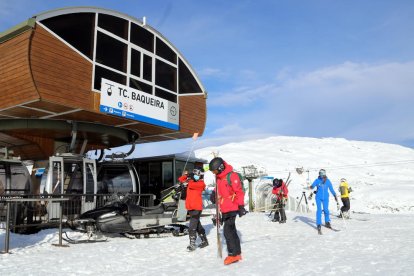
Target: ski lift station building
[(87, 78)]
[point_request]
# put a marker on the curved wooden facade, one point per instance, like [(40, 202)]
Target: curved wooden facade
[(47, 94)]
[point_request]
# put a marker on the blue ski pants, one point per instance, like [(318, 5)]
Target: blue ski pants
[(322, 205)]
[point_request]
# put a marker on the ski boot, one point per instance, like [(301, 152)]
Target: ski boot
[(319, 230), (192, 245), (232, 259), (204, 241), (328, 225)]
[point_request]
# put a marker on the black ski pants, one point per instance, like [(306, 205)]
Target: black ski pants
[(195, 224), (230, 233), (346, 204), (280, 214)]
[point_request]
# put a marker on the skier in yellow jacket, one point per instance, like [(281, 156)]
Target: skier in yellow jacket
[(344, 189)]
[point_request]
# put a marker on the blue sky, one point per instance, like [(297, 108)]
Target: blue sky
[(294, 67)]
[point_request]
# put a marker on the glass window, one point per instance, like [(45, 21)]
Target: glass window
[(90, 183), (111, 52), (187, 83), (143, 177), (165, 95), (135, 63), (73, 176), (115, 25), (164, 51), (147, 74), (167, 174), (115, 180), (139, 85), (107, 74), (141, 37), (166, 76), (77, 29)]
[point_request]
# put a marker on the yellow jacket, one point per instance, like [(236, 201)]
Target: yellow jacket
[(344, 189)]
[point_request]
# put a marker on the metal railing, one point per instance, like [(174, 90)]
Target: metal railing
[(27, 216)]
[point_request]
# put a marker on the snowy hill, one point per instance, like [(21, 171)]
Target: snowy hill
[(381, 175)]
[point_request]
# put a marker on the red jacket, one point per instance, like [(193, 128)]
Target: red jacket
[(194, 199), (280, 192), (229, 196)]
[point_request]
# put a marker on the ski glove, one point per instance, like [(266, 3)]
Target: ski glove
[(242, 211)]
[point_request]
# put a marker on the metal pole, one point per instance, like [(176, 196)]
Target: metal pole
[(7, 237), (60, 227), (250, 195)]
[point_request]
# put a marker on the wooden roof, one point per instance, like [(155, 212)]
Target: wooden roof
[(46, 95)]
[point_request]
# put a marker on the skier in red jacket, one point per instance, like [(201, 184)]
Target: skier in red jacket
[(281, 192), (231, 200), (194, 205)]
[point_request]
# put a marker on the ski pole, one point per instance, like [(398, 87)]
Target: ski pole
[(195, 136)]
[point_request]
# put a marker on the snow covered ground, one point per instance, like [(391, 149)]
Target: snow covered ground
[(381, 245), (377, 240)]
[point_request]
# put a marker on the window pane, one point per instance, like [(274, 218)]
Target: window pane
[(107, 74), (111, 52), (166, 76), (187, 82), (115, 180), (77, 29), (142, 37), (164, 51), (136, 84), (135, 63), (115, 25), (147, 74), (165, 95)]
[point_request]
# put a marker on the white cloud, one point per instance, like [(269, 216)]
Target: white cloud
[(356, 100)]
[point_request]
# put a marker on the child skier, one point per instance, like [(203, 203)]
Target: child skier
[(194, 205)]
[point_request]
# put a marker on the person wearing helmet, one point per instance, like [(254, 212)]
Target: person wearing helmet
[(281, 191), (231, 202), (344, 189), (322, 185), (194, 205)]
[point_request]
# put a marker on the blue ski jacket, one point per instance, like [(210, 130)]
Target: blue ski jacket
[(322, 186)]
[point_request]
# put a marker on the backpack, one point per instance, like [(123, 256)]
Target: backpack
[(240, 177)]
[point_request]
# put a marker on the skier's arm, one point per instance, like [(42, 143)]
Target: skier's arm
[(314, 183), (330, 187), (236, 184), (196, 185)]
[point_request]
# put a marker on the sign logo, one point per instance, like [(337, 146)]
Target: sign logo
[(120, 100)]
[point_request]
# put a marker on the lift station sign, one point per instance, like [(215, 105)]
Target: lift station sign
[(123, 101)]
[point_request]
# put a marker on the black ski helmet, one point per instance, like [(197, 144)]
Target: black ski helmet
[(275, 182), (216, 163), (322, 173)]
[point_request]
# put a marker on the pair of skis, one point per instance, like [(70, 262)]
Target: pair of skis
[(333, 229)]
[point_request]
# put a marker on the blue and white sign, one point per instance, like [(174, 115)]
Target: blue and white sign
[(123, 101)]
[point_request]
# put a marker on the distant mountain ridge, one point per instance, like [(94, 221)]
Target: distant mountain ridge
[(381, 174)]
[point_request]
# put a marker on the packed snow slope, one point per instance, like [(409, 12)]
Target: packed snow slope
[(381, 175), (368, 244)]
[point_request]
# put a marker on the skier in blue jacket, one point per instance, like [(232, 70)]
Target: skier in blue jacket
[(322, 183)]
